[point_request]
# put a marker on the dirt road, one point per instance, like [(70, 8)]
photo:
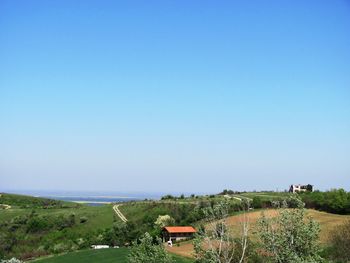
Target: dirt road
[(119, 214)]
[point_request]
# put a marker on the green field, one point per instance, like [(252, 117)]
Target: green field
[(111, 255), (86, 256)]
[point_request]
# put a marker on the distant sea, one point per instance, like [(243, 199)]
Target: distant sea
[(89, 197), (93, 200)]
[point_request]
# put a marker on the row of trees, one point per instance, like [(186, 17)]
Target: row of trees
[(334, 201)]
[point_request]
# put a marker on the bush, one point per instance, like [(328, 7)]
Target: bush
[(83, 219), (36, 224), (12, 260), (340, 242)]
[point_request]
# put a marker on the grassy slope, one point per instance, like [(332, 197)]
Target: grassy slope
[(327, 222), (103, 216), (25, 201), (102, 256), (98, 216), (135, 211)]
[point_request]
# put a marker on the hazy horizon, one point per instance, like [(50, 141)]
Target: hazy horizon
[(174, 96)]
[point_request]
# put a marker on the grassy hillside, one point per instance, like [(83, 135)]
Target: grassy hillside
[(185, 211), (34, 227), (24, 201), (327, 222), (111, 255), (30, 230)]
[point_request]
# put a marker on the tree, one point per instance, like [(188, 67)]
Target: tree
[(164, 220), (257, 202), (215, 242), (166, 197), (147, 251), (290, 236)]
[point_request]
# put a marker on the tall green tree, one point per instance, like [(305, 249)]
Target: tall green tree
[(291, 236), (148, 250)]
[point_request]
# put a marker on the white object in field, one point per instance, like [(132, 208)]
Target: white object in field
[(99, 246), (170, 243)]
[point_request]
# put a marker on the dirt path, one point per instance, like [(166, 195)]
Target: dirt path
[(119, 214)]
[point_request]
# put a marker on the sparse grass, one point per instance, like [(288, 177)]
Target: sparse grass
[(327, 221), (184, 249)]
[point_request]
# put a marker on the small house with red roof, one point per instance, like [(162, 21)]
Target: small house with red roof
[(177, 233)]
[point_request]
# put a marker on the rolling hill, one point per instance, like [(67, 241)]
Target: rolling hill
[(327, 222)]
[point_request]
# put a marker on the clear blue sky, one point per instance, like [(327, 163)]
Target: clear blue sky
[(166, 96)]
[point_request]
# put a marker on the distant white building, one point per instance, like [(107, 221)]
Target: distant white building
[(300, 188)]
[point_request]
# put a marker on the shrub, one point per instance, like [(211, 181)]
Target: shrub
[(340, 242), (83, 219), (36, 224), (12, 260), (62, 247)]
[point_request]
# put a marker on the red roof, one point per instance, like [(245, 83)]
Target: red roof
[(180, 229)]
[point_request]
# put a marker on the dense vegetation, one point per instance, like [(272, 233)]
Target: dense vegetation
[(39, 230), (334, 201)]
